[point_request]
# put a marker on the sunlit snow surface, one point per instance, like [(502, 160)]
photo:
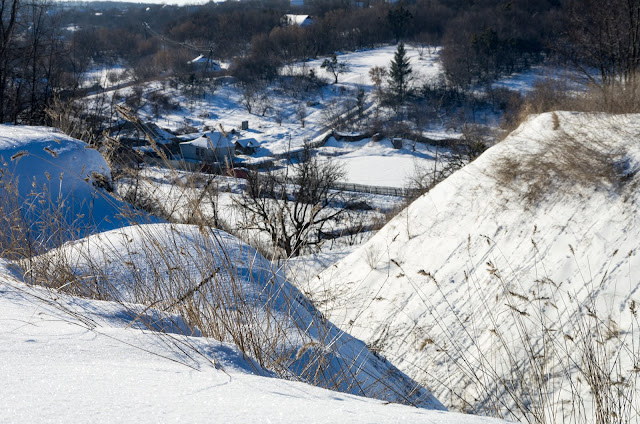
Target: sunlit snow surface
[(67, 359), (52, 173), (441, 280)]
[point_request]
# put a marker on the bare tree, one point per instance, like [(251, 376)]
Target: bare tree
[(297, 210), (605, 35), (8, 15), (334, 67), (378, 75), (301, 113)]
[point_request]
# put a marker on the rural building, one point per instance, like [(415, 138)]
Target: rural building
[(211, 147), (300, 20), (204, 63), (247, 146)]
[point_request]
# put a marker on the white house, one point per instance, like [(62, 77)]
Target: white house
[(300, 20), (211, 147)]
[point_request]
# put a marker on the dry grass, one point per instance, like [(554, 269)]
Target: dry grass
[(564, 161), (536, 356), (217, 287), (553, 94)]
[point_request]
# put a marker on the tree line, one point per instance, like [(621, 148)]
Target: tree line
[(46, 48)]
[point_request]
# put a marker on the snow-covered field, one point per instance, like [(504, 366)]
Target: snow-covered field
[(426, 67), (106, 77), (378, 163), (516, 246)]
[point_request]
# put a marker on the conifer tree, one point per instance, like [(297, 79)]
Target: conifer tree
[(400, 74)]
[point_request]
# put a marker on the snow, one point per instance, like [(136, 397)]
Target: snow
[(524, 82), (225, 106), (434, 287), (378, 163), (106, 77), (427, 67), (45, 165), (297, 20), (67, 359), (156, 264)]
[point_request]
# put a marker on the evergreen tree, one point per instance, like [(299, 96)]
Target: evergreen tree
[(399, 19), (400, 74)]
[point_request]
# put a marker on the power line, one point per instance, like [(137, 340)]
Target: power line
[(184, 44)]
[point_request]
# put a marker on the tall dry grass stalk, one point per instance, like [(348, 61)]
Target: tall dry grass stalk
[(537, 353), (195, 281)]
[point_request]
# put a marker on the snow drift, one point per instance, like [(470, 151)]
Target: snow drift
[(226, 290), (70, 359), (521, 254), (55, 180)]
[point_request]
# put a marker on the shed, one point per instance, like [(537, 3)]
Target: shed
[(205, 63), (247, 146), (211, 147)]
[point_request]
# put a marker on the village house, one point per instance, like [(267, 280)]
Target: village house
[(299, 20), (211, 147), (247, 146)]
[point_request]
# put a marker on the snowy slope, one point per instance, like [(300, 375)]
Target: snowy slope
[(52, 174), (66, 359), (228, 291), (528, 239)]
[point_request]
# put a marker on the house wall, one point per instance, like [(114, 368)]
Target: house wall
[(188, 151), (191, 152)]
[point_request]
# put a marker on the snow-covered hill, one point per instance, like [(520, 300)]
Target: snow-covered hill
[(52, 178), (496, 285), (66, 359), (226, 290), (173, 279)]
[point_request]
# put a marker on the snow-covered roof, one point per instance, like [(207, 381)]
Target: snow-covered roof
[(248, 142), (212, 140), (197, 59), (203, 60), (301, 20)]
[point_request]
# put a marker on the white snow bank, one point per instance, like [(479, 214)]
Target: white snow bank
[(54, 175), (231, 292), (446, 280), (66, 359)]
